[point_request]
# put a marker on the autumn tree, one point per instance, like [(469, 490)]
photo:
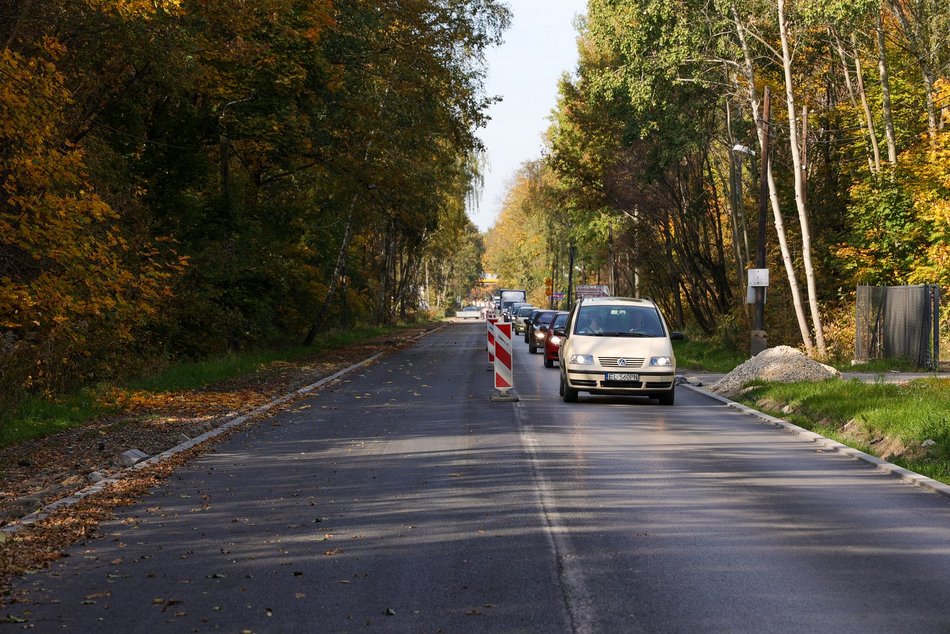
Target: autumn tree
[(276, 147), (78, 286)]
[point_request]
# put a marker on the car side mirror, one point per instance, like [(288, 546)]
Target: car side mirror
[(677, 336), (559, 332)]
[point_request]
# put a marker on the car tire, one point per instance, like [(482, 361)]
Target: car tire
[(567, 393), (548, 363), (532, 348), (668, 398)]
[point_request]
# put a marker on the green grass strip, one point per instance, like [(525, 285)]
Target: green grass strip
[(915, 414), (701, 354), (199, 374), (37, 417)]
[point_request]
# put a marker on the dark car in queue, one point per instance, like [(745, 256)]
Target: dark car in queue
[(538, 329), (555, 334), (530, 320)]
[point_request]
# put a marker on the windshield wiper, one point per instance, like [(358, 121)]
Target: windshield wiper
[(621, 334)]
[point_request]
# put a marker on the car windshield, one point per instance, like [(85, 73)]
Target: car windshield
[(619, 321), (524, 312), (560, 321), (544, 318)]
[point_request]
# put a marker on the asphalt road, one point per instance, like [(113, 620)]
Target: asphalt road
[(402, 499)]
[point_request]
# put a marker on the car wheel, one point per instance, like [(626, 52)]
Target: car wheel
[(668, 398), (548, 363), (532, 348), (567, 393)]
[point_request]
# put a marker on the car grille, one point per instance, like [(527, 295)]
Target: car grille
[(625, 384), (614, 362)]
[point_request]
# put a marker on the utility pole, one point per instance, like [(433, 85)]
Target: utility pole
[(759, 340), (570, 275)]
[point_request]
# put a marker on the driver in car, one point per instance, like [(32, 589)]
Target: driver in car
[(636, 322)]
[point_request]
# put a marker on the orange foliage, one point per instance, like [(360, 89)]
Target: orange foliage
[(135, 8), (930, 166), (66, 271)]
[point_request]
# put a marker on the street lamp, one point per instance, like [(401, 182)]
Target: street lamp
[(738, 148)]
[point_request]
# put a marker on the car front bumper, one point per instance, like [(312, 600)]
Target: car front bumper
[(595, 381)]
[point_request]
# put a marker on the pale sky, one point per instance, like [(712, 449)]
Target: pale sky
[(539, 46)]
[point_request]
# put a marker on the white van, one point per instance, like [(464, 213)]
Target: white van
[(617, 345)]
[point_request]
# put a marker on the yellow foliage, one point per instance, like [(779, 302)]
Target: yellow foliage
[(928, 174), (67, 270), (130, 9)]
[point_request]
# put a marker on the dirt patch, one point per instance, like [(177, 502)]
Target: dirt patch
[(857, 433)]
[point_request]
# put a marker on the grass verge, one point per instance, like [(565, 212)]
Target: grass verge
[(908, 425), (701, 354), (198, 374), (38, 417), (879, 365)]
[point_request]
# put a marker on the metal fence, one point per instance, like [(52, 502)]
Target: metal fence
[(898, 322)]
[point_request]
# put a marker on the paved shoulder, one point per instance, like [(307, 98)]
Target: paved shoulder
[(396, 499)]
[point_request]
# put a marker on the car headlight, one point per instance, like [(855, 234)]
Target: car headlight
[(539, 334), (582, 359), (664, 362), (556, 341)]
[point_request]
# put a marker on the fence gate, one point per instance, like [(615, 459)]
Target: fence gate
[(898, 322)]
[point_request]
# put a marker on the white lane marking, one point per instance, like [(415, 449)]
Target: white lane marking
[(576, 597)]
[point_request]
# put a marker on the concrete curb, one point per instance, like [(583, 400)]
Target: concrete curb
[(832, 445), (226, 424)]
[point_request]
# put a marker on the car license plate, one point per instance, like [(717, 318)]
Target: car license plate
[(622, 376)]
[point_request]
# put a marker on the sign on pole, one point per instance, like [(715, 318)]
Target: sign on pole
[(585, 291), (504, 377)]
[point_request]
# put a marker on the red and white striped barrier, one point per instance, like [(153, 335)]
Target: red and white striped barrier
[(504, 376), (491, 339)]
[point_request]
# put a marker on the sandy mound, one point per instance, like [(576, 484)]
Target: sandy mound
[(782, 364)]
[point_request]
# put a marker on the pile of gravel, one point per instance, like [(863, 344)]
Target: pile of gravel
[(782, 364)]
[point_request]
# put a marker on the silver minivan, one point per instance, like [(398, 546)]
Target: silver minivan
[(618, 345)]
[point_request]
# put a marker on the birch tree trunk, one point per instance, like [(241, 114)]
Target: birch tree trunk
[(747, 69), (920, 47), (845, 69), (868, 118), (337, 272), (800, 183), (885, 91), (387, 272), (843, 57)]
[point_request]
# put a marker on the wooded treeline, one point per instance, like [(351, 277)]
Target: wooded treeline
[(186, 177), (643, 179)]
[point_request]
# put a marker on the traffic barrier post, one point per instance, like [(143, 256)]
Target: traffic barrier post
[(504, 375), (491, 341)]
